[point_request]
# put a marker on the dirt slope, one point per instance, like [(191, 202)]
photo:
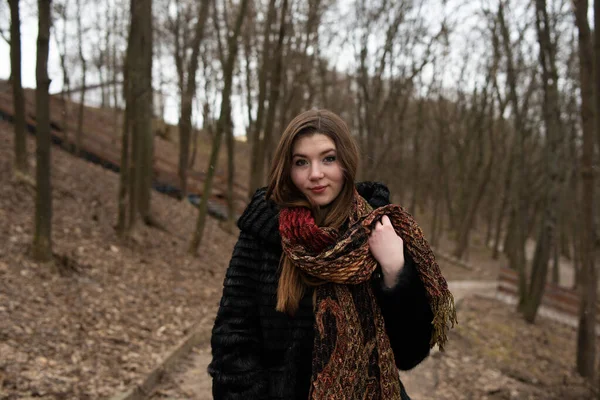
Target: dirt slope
[(115, 308)]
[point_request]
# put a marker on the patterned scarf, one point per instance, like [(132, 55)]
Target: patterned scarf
[(352, 356)]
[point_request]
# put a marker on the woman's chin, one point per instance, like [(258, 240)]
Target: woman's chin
[(321, 201)]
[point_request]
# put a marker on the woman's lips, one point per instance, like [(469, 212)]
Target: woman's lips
[(318, 189)]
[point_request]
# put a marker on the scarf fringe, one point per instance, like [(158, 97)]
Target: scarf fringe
[(444, 319)]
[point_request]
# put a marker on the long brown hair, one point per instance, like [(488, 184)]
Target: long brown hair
[(281, 189)]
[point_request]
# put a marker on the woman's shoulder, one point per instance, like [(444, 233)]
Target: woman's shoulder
[(261, 218), (376, 193)]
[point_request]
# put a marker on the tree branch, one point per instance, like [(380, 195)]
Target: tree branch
[(3, 35)]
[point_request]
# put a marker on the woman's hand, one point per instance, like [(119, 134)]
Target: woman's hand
[(388, 249)]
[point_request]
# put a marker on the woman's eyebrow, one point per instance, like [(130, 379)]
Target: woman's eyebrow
[(321, 154)]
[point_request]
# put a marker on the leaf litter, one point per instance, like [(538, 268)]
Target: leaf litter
[(106, 311)]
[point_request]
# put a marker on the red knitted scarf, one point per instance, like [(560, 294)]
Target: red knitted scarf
[(352, 355)]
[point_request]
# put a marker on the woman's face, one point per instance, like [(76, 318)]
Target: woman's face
[(316, 171)]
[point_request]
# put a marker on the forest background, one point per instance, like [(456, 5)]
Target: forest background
[(482, 117)]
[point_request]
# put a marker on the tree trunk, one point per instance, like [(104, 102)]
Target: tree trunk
[(20, 165), (224, 118), (555, 265), (273, 96), (448, 200), (435, 221), (500, 215), (560, 232), (554, 156), (518, 223), (65, 106), (509, 236), (137, 148), (417, 157), (42, 240), (256, 159), (248, 82), (437, 226), (106, 55), (230, 175), (187, 95), (575, 231), (473, 197), (129, 149), (142, 127), (468, 221), (115, 66), (597, 68), (185, 129), (228, 126), (79, 134), (364, 82), (500, 211), (61, 47), (123, 178), (586, 337), (489, 222)]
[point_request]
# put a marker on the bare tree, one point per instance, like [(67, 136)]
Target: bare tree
[(250, 38), (255, 136), (61, 9), (20, 165), (42, 240), (440, 162), (230, 226), (137, 140), (597, 68), (554, 162), (222, 126), (504, 181), (274, 92), (473, 190), (518, 211), (417, 145), (4, 31), (230, 140), (187, 67), (83, 61), (114, 65), (586, 337)]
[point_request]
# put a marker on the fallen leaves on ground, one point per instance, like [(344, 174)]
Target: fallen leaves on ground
[(107, 311), (494, 354)]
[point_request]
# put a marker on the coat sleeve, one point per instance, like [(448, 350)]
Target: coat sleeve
[(236, 336), (407, 315)]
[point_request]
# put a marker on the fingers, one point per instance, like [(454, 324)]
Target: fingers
[(382, 222)]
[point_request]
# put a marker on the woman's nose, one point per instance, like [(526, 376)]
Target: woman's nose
[(315, 172)]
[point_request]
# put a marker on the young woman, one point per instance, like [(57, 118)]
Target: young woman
[(330, 289)]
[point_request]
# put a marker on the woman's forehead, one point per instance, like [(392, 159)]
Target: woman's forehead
[(313, 144)]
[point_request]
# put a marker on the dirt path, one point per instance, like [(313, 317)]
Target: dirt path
[(421, 381), (191, 380)]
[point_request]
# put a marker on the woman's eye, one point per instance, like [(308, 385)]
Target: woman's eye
[(300, 163), (329, 159)]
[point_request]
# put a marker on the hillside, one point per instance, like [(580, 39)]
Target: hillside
[(101, 144), (115, 308)]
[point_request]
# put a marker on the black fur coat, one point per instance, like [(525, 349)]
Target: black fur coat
[(259, 353)]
